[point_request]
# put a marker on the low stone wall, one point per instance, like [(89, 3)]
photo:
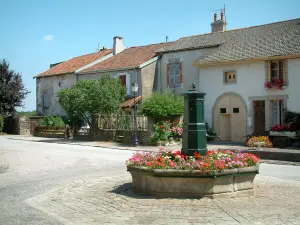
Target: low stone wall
[(34, 122), (181, 183), (108, 135), (17, 125)]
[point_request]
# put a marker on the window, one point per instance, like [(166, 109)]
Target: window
[(174, 73), (123, 79), (236, 110), (60, 84), (277, 71), (277, 112), (45, 100), (230, 77), (222, 110)]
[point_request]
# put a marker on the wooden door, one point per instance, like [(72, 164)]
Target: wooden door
[(259, 117), (238, 119)]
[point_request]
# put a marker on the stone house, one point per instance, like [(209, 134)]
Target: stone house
[(138, 64), (233, 67), (62, 75), (132, 65)]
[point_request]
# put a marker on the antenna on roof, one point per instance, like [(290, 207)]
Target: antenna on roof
[(167, 38), (224, 13), (98, 47)]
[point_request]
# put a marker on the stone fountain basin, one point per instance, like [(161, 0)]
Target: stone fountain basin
[(192, 184)]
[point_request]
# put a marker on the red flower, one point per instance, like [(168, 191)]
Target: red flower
[(197, 155)]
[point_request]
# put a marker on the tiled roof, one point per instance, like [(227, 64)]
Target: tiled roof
[(275, 39), (75, 63), (130, 102), (130, 57)]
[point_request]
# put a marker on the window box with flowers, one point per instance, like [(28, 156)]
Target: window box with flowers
[(171, 174), (283, 130), (276, 74)]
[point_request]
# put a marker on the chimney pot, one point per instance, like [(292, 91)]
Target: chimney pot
[(118, 45), (222, 16), (215, 17)]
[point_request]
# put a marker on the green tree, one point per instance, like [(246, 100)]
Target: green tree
[(89, 97), (162, 105), (12, 90)]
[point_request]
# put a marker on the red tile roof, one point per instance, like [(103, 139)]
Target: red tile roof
[(130, 57), (130, 102), (71, 65)]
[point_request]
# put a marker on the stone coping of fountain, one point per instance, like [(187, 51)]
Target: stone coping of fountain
[(167, 183)]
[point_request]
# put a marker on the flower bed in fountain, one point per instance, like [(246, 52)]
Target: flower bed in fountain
[(171, 174)]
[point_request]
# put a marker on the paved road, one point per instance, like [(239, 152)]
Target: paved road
[(69, 184)]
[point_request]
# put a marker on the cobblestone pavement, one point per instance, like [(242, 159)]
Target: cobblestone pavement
[(111, 201)]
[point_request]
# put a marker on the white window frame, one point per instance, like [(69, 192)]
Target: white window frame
[(231, 80), (277, 112)]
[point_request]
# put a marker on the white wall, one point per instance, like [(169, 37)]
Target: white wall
[(50, 85), (250, 83), (294, 85), (189, 72)]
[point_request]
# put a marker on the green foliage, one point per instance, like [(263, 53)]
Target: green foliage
[(52, 121), (1, 123), (12, 90), (292, 118), (162, 131), (89, 97), (163, 105), (27, 113)]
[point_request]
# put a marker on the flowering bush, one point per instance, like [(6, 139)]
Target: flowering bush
[(252, 142), (177, 129), (214, 161), (162, 131), (275, 83), (281, 128)]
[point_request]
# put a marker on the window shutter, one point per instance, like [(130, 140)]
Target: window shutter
[(267, 71), (180, 72), (168, 74), (285, 72)]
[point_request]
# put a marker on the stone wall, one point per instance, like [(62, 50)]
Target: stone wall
[(34, 122), (108, 135), (17, 125), (148, 78)]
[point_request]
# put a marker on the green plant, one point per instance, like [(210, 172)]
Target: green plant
[(89, 97), (162, 131), (163, 105), (52, 121), (292, 118), (1, 123)]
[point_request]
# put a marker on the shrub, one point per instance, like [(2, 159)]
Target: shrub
[(162, 131), (52, 121), (252, 142), (1, 123), (163, 105)]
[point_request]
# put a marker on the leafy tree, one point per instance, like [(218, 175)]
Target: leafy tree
[(163, 105), (12, 90), (89, 97)]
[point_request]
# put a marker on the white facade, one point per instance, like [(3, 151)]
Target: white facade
[(189, 72), (250, 79)]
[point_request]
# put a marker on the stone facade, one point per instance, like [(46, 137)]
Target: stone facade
[(49, 86), (149, 79)]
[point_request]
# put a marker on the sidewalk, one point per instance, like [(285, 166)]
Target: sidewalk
[(291, 155)]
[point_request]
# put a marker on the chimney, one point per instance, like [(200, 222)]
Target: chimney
[(118, 45), (222, 16), (218, 25)]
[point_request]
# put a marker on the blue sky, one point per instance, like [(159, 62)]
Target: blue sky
[(36, 33)]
